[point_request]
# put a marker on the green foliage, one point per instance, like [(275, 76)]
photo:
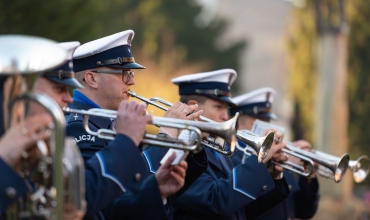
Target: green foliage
[(359, 80), (58, 20), (163, 28), (302, 68)]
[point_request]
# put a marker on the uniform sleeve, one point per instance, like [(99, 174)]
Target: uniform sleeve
[(144, 202), (269, 200), (307, 198), (11, 185), (197, 164), (212, 197), (111, 169)]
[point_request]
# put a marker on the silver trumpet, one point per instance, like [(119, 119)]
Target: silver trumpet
[(359, 167), (335, 166), (226, 130), (305, 170), (261, 145)]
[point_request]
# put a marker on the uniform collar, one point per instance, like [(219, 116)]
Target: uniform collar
[(80, 97), (80, 101)]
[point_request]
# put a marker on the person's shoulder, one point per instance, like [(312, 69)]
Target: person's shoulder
[(73, 116)]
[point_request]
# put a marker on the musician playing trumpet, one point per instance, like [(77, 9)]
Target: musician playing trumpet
[(105, 68), (304, 198), (222, 192)]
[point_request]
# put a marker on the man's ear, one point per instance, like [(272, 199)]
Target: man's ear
[(192, 102), (91, 79)]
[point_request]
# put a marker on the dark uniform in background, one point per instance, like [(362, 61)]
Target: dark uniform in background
[(224, 192), (304, 198)]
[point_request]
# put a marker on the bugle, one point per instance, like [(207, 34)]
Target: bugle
[(359, 167), (261, 145), (226, 130)]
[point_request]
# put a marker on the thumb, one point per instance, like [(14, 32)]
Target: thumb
[(169, 160)]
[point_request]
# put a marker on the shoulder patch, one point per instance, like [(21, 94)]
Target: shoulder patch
[(84, 138), (75, 117)]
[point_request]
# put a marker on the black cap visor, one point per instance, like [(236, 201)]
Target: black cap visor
[(126, 66), (222, 98), (66, 81)]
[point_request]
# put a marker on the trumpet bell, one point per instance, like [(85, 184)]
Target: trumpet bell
[(261, 145), (341, 168), (360, 168)]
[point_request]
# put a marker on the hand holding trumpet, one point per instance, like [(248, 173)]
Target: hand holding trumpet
[(181, 111), (131, 121), (276, 154), (23, 137)]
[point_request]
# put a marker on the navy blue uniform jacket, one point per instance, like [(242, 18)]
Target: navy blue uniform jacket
[(113, 188), (222, 192), (302, 204), (10, 180), (197, 164), (303, 201)]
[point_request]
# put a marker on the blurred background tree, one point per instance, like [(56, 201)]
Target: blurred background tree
[(302, 70), (301, 44), (359, 78), (167, 39)]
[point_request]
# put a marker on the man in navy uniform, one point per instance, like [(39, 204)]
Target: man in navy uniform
[(23, 137), (256, 105), (104, 67), (222, 192), (303, 201)]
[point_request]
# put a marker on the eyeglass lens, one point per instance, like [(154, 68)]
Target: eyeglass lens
[(126, 75)]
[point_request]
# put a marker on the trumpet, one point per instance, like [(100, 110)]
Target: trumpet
[(337, 167), (261, 145), (359, 167), (306, 170), (329, 166), (226, 130)]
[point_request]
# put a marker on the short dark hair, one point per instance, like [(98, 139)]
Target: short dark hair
[(201, 99), (80, 76)]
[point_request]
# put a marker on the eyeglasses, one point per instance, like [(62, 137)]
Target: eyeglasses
[(126, 74)]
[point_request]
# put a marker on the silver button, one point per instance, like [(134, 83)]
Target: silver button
[(290, 186), (264, 188), (11, 192), (137, 177)]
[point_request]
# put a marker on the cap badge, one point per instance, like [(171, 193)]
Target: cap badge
[(230, 77), (255, 110), (129, 39)]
